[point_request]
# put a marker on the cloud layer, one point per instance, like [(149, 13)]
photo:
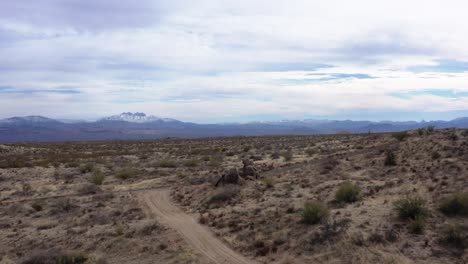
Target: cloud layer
[(211, 61)]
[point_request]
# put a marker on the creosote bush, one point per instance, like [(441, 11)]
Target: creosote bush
[(167, 164), (269, 183), (314, 212), (347, 193), (310, 152), (400, 136), (55, 257), (411, 208), (97, 178), (455, 204), (224, 194), (453, 235), (417, 225), (287, 155), (390, 159), (126, 173), (191, 163), (85, 168)]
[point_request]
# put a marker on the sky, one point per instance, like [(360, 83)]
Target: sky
[(234, 61)]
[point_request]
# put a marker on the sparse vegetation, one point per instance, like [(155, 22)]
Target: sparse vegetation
[(267, 218), (411, 208), (417, 225), (191, 163), (55, 257), (314, 212), (347, 193), (166, 163), (455, 204), (97, 178), (224, 194), (86, 168), (453, 235), (126, 173), (400, 136), (287, 155), (390, 159)]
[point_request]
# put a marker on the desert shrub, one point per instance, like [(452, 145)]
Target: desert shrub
[(63, 205), (430, 128), (435, 155), (86, 168), (224, 194), (287, 155), (275, 155), (417, 225), (97, 178), (420, 131), (455, 204), (149, 228), (216, 161), (453, 235), (400, 136), (269, 183), (191, 163), (37, 206), (314, 212), (310, 152), (411, 208), (453, 137), (347, 193), (126, 173), (465, 133), (390, 159), (246, 149), (50, 257), (167, 163), (87, 189)]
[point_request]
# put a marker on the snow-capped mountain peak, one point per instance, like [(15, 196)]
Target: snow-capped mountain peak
[(137, 118)]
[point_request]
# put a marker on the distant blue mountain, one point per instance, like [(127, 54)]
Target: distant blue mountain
[(134, 126)]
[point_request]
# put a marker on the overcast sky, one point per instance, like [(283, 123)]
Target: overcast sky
[(225, 61)]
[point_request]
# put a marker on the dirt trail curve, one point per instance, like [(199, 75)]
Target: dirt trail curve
[(196, 235)]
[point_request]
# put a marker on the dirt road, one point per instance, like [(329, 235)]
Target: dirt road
[(200, 238)]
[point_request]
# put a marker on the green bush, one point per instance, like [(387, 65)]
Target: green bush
[(310, 152), (97, 178), (167, 164), (455, 204), (224, 194), (347, 193), (287, 155), (314, 213), (420, 131), (269, 183), (465, 133), (453, 235), (400, 136), (88, 167), (191, 163), (417, 225), (411, 208), (126, 173), (55, 257), (390, 159)]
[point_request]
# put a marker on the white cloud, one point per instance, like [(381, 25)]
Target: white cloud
[(185, 58)]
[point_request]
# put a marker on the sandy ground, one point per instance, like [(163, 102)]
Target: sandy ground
[(158, 204)]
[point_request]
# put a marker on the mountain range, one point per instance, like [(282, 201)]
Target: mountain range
[(135, 126)]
